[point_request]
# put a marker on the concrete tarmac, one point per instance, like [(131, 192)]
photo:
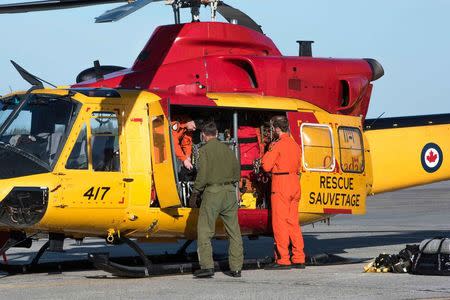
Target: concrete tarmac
[(392, 221)]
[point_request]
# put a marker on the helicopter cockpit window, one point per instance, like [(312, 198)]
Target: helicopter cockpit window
[(78, 159), (37, 128), (317, 146), (7, 106), (352, 149), (105, 142)]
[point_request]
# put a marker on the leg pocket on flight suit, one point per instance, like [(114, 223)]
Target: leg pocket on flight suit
[(280, 206), (293, 212)]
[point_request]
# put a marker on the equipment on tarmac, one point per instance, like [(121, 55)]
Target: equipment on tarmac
[(433, 257), (395, 263)]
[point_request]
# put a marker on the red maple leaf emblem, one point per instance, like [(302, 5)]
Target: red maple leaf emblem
[(432, 157)]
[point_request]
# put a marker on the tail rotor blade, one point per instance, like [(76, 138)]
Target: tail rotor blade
[(122, 11), (230, 13)]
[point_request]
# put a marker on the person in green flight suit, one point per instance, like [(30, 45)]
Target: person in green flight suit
[(218, 174)]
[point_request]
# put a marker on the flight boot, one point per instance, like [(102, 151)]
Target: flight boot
[(235, 274), (204, 273), (275, 266), (298, 266)]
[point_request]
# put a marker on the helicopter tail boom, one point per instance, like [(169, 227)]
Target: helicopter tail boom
[(408, 151)]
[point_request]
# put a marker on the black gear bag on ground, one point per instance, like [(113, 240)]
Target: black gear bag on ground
[(433, 257)]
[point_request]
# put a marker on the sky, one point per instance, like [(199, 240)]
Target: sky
[(408, 37)]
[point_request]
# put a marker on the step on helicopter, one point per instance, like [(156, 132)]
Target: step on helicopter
[(96, 159)]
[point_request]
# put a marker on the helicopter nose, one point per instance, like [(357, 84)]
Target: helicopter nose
[(377, 68), (23, 206)]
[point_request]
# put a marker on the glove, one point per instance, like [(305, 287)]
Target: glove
[(193, 200)]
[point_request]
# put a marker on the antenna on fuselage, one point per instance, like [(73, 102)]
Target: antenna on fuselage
[(98, 70), (371, 124)]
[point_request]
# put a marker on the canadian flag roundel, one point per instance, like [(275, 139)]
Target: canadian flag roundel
[(431, 157)]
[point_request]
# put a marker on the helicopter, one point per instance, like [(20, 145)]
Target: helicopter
[(96, 159)]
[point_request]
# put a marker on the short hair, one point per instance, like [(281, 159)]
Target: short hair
[(209, 129), (280, 122), (183, 118)]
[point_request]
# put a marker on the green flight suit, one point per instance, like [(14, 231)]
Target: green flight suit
[(218, 169)]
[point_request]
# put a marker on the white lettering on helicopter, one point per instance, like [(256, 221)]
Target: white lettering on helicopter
[(333, 198)]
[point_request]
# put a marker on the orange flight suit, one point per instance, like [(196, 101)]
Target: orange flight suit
[(182, 139), (283, 160)]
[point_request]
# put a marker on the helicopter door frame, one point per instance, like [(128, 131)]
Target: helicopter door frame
[(162, 157), (327, 187), (104, 188)]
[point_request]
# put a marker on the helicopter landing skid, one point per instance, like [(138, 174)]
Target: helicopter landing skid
[(102, 262)]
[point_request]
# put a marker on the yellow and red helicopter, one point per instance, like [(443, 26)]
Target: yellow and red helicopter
[(96, 159)]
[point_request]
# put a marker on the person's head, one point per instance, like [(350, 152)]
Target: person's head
[(280, 125), (209, 131), (189, 124)]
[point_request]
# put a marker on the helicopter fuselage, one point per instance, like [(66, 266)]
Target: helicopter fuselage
[(114, 171)]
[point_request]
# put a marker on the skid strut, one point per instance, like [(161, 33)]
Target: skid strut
[(182, 250), (101, 261), (38, 256)]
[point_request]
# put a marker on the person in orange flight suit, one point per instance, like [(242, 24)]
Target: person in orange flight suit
[(283, 160), (182, 135)]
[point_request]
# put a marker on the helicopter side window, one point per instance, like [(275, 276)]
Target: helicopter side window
[(352, 149), (78, 159), (159, 142), (317, 146), (105, 142)]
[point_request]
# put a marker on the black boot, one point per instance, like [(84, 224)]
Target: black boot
[(298, 266), (275, 266), (204, 273), (234, 274)]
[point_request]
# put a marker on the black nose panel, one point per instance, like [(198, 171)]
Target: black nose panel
[(24, 206)]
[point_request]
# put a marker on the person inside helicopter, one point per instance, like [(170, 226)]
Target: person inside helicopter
[(253, 137)]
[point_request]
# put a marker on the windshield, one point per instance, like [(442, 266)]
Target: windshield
[(7, 105), (35, 130)]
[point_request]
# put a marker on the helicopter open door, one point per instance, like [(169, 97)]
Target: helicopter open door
[(334, 179), (161, 151)]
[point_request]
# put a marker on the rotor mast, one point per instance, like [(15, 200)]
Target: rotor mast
[(194, 5), (231, 14)]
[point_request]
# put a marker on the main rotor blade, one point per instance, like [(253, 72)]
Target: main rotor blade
[(230, 13), (122, 11), (50, 5)]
